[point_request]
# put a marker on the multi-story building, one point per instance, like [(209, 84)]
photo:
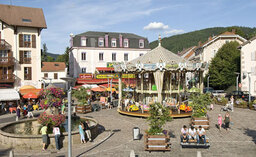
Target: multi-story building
[(20, 48), (248, 65), (52, 72), (99, 49)]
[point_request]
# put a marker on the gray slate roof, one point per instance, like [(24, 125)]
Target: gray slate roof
[(92, 39)]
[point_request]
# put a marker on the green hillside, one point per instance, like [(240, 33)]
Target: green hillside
[(179, 42)]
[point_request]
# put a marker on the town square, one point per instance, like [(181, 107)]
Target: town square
[(127, 78)]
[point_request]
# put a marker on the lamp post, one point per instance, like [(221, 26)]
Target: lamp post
[(237, 80), (208, 78), (69, 124)]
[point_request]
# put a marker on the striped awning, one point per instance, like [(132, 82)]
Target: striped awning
[(9, 95)]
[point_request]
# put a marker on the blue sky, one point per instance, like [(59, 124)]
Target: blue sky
[(147, 18)]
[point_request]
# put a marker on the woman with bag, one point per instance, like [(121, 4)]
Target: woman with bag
[(227, 120)]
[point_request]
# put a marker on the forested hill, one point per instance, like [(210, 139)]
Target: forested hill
[(179, 42)]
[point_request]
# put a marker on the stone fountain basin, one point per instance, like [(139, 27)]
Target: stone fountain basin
[(35, 141)]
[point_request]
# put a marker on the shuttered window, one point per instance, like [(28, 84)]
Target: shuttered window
[(33, 41), (45, 75), (27, 73), (21, 40), (21, 57), (55, 75), (26, 41)]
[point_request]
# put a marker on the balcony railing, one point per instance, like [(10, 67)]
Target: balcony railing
[(25, 61), (5, 45), (7, 78), (7, 61)]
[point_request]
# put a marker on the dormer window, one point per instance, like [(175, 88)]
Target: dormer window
[(126, 43), (101, 42), (83, 41), (26, 20), (113, 42), (141, 43)]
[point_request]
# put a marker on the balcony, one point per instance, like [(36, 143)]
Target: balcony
[(7, 78), (5, 45), (25, 60), (7, 61)]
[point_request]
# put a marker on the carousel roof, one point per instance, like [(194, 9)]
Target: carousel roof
[(158, 55)]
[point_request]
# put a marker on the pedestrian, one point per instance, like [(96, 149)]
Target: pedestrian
[(30, 109), (56, 131), (184, 134), (192, 133), (25, 112), (18, 113), (201, 134), (43, 131), (227, 120), (232, 103), (81, 132), (63, 107), (220, 121), (87, 130)]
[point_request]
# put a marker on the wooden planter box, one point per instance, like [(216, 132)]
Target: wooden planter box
[(157, 143), (203, 121), (83, 109)]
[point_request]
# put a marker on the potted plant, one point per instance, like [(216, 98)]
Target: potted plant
[(199, 104), (159, 115), (82, 96)]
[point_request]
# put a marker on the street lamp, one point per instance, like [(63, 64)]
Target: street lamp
[(208, 78), (237, 80)]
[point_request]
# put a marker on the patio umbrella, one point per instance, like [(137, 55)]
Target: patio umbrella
[(109, 89), (98, 89), (90, 85), (30, 95)]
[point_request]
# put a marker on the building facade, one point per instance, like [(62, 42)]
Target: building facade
[(52, 72), (101, 49), (248, 65), (20, 49)]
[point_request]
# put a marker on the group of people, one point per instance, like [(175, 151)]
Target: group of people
[(192, 134), (56, 132), (227, 120), (26, 111), (85, 128)]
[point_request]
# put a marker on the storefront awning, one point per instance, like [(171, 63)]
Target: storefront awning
[(9, 95)]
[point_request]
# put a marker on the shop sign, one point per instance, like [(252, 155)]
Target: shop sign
[(85, 76), (111, 64), (149, 66), (114, 76), (128, 76)]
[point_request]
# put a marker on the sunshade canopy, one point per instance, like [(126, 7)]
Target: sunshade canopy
[(9, 95)]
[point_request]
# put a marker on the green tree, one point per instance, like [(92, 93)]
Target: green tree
[(199, 104), (64, 57), (224, 65), (238, 31), (50, 59), (44, 53)]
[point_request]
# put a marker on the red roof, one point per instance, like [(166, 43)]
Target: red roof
[(105, 68)]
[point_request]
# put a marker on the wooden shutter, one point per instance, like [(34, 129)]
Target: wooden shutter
[(55, 75), (21, 57), (29, 73), (33, 41), (21, 40), (46, 75)]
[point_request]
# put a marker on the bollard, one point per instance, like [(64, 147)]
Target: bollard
[(132, 154)]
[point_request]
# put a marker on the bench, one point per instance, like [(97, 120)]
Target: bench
[(194, 144), (157, 143), (204, 122)]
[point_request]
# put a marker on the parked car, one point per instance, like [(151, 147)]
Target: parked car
[(208, 90), (244, 95)]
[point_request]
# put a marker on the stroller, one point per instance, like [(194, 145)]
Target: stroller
[(227, 107)]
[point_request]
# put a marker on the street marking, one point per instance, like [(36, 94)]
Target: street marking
[(198, 154)]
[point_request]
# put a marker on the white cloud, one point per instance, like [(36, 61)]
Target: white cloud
[(156, 26), (174, 31)]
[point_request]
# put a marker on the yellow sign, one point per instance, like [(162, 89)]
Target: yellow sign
[(114, 76), (128, 76)]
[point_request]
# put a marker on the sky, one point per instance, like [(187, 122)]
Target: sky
[(147, 18)]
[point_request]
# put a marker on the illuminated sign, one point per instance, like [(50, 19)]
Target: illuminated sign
[(85, 76)]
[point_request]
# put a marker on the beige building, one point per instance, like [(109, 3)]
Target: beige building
[(248, 65), (20, 52)]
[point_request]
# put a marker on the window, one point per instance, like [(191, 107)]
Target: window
[(55, 75), (253, 56), (83, 56), (101, 42), (45, 75), (141, 54), (27, 73), (27, 57), (101, 56), (113, 42), (3, 56), (27, 40), (126, 57), (83, 70), (113, 56), (126, 43), (141, 43), (83, 41)]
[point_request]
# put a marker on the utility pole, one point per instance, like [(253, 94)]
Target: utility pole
[(69, 124), (208, 78), (237, 80)]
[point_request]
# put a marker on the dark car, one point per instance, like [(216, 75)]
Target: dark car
[(208, 90), (244, 95)]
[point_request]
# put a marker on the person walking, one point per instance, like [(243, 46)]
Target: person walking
[(30, 109), (18, 113), (232, 103), (220, 121), (43, 131), (56, 131), (227, 120), (81, 132), (87, 130)]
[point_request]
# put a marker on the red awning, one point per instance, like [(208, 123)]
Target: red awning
[(30, 95), (105, 68), (106, 85), (98, 89)]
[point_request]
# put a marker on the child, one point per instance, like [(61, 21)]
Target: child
[(219, 121), (211, 106)]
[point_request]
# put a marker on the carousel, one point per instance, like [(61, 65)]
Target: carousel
[(161, 76)]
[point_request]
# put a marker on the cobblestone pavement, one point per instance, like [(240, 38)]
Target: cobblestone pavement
[(239, 141)]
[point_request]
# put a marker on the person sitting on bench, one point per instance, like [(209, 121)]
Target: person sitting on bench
[(201, 134), (184, 134), (192, 133)]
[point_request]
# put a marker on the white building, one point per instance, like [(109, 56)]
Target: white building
[(52, 72), (248, 65), (96, 49), (20, 48)]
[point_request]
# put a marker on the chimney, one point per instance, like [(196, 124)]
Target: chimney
[(121, 40), (210, 38), (199, 43), (106, 40), (234, 31), (71, 39)]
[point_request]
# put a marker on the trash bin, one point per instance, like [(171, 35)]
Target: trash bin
[(136, 133)]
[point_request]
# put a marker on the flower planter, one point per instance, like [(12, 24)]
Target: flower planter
[(157, 142), (83, 109), (203, 121)]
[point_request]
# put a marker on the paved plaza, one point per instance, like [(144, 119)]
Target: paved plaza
[(117, 140)]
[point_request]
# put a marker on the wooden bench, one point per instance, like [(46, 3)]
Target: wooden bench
[(157, 143), (194, 144), (204, 122)]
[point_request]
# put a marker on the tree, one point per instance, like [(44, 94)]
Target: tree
[(50, 59), (44, 53), (64, 57), (199, 104), (224, 65), (237, 31)]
